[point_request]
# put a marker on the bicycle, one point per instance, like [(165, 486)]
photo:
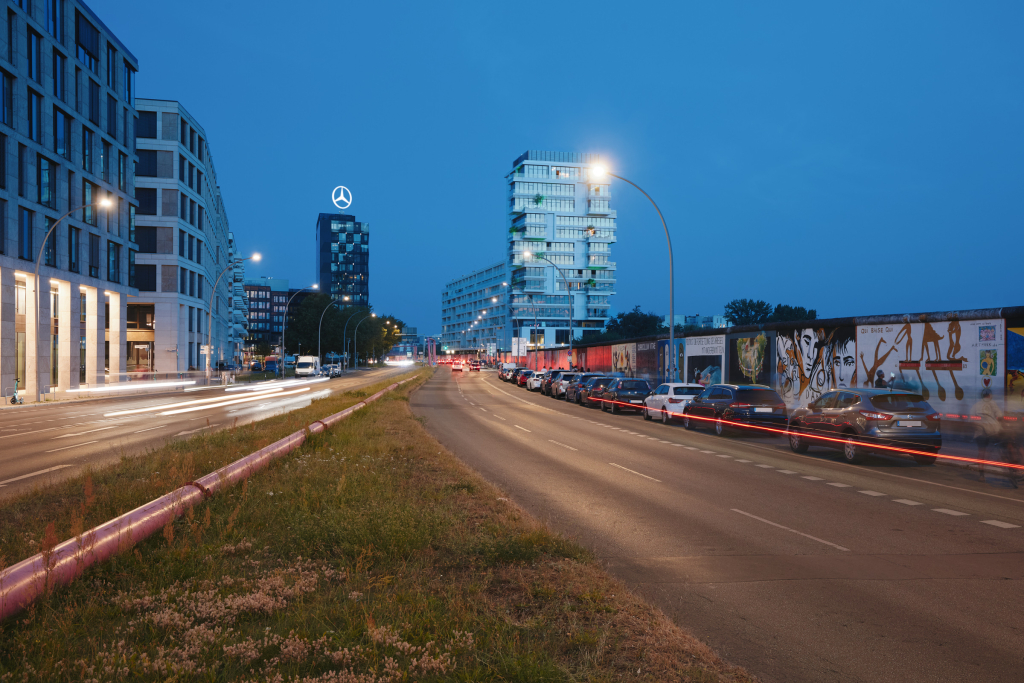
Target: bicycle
[(15, 399)]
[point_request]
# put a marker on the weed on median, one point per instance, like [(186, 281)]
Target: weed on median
[(370, 555)]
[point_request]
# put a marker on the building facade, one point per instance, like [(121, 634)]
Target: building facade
[(474, 310), (239, 302), (67, 116), (343, 257), (183, 268), (268, 299)]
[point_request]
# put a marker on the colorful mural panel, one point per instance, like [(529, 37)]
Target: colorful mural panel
[(624, 359), (812, 360), (750, 358), (704, 356), (1015, 369)]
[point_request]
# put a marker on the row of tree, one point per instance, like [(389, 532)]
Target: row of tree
[(636, 323), (319, 324)]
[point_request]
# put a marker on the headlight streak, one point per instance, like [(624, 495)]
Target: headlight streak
[(260, 386), (150, 409), (245, 399), (132, 385)]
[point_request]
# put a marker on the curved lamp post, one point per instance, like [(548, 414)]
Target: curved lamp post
[(598, 172), (284, 323), (209, 312), (528, 256), (355, 337), (321, 325)]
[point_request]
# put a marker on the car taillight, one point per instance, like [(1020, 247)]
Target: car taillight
[(740, 405), (934, 417), (875, 416), (675, 400)]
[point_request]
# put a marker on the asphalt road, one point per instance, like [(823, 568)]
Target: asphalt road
[(43, 443), (797, 567)]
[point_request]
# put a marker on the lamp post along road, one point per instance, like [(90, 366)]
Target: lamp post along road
[(284, 323), (596, 173), (568, 290), (355, 336), (209, 313)]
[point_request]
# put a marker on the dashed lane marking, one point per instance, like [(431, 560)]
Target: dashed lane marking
[(813, 478), (955, 513), (871, 493), (1001, 525), (500, 417), (767, 467), (149, 429), (838, 485), (799, 533), (737, 459), (523, 428), (785, 471), (721, 455), (33, 474), (904, 501), (634, 472), (562, 445), (54, 450)]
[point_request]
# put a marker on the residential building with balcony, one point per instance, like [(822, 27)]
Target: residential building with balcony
[(185, 246), (480, 297), (343, 257), (67, 113), (239, 303)]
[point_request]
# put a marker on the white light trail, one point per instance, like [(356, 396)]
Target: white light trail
[(132, 385), (150, 409), (245, 399)]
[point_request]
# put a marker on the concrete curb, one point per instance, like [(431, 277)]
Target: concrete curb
[(22, 583)]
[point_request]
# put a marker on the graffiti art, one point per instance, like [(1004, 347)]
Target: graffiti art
[(812, 360)]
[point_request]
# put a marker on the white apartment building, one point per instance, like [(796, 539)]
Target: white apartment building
[(184, 266), (474, 311), (67, 116)]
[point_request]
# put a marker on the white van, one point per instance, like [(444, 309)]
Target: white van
[(307, 366)]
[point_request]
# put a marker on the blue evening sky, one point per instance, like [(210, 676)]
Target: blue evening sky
[(855, 158)]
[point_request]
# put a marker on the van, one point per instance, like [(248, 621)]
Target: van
[(307, 366)]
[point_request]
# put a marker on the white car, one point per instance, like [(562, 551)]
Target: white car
[(559, 385), (534, 381), (668, 400), (456, 366)]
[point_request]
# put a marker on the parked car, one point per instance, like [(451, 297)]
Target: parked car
[(558, 386), (858, 419), (551, 376), (523, 376), (513, 376), (718, 404), (572, 389), (625, 393), (534, 381), (456, 366), (332, 370), (591, 393), (668, 401)]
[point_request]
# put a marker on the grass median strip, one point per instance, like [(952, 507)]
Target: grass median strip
[(369, 554)]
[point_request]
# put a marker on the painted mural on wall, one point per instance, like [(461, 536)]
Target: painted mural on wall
[(704, 356), (812, 360), (949, 363), (665, 359), (647, 360), (624, 359), (750, 358), (1015, 369)]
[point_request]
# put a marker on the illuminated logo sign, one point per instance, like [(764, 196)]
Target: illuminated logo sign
[(342, 197)]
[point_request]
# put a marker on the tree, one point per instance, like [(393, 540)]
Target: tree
[(747, 312), (784, 313), (629, 325)]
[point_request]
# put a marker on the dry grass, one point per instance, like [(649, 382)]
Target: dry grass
[(370, 555)]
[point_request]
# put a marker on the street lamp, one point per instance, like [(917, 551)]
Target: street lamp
[(355, 336), (284, 323), (528, 256), (103, 203), (596, 173), (209, 314), (321, 325)]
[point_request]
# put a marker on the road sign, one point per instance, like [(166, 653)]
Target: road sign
[(204, 349)]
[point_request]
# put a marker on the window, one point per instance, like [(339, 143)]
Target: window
[(25, 234), (131, 268), (3, 164), (12, 23), (182, 241), (183, 206), (89, 195), (22, 162), (94, 255), (113, 261), (129, 84), (199, 251), (199, 182), (122, 172), (94, 102), (34, 57), (111, 67), (55, 19), (192, 212), (125, 118), (192, 141), (78, 90), (202, 150), (105, 162), (145, 278), (191, 283), (191, 248), (202, 214), (111, 116), (184, 132), (88, 141), (118, 214), (147, 202), (191, 317), (3, 226), (191, 175), (131, 223), (8, 103), (35, 116), (74, 242), (87, 42), (50, 246), (199, 286), (147, 125), (146, 166), (146, 239), (61, 133), (46, 181), (182, 168), (182, 281)]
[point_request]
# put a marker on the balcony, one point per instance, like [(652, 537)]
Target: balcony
[(599, 207)]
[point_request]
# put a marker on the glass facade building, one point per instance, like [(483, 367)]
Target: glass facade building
[(343, 257)]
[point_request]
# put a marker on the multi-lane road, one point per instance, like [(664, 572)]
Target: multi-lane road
[(798, 567), (45, 442)]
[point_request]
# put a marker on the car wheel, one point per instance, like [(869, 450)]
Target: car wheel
[(665, 419), (720, 428), (852, 451), (647, 414), (925, 459), (687, 422), (797, 442)]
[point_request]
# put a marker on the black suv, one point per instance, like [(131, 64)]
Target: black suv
[(625, 393), (720, 404), (857, 419), (590, 393), (572, 391)]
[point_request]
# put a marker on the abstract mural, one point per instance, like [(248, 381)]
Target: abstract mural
[(812, 360)]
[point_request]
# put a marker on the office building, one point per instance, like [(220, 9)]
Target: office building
[(474, 310), (343, 257), (701, 321), (268, 298), (66, 144), (239, 302), (184, 247)]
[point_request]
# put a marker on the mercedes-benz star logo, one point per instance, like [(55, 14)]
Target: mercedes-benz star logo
[(342, 197)]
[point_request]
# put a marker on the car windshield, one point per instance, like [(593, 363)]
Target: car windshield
[(303, 366), (600, 382), (634, 385), (764, 397), (526, 373), (899, 402), (686, 391)]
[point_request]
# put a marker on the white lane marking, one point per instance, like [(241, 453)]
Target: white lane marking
[(54, 450), (721, 455), (523, 428), (663, 441), (470, 402), (785, 471), (838, 485), (33, 474), (149, 430), (813, 478), (955, 513), (1001, 525), (703, 451), (199, 429), (904, 501), (90, 431), (483, 409), (678, 444), (562, 445), (691, 448), (634, 472), (500, 417), (737, 459), (767, 467), (871, 493), (799, 533)]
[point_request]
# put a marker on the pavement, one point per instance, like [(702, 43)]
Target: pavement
[(53, 441), (796, 567)]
